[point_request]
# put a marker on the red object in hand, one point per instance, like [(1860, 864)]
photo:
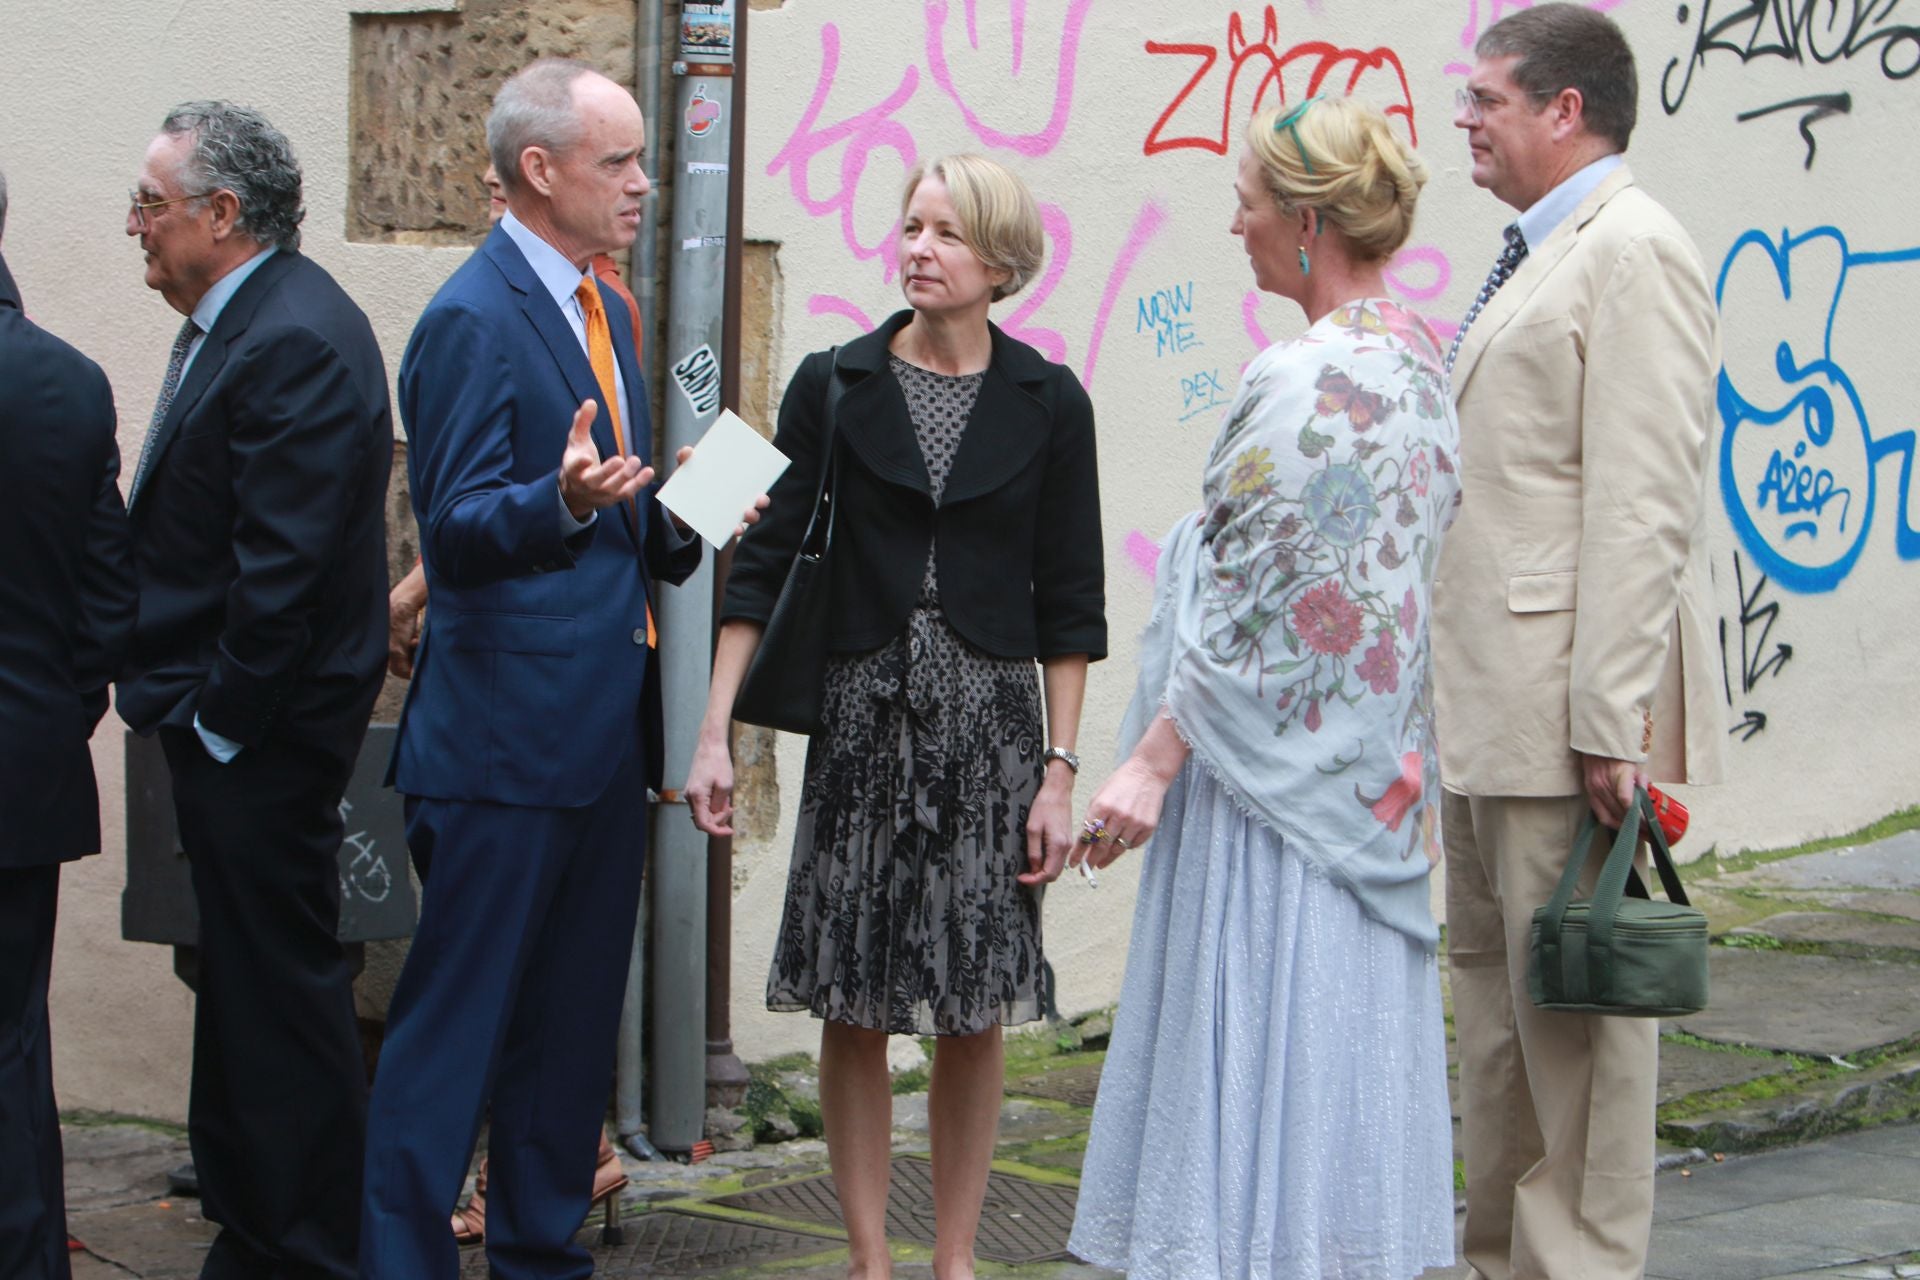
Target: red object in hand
[(1670, 813)]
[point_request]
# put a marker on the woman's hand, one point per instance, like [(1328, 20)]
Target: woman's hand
[(1126, 809), (1124, 812), (1050, 829), (709, 789)]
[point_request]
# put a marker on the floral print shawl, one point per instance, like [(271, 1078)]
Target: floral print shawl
[(1289, 633)]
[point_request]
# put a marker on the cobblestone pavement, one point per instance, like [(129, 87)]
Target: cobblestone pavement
[(1787, 1118)]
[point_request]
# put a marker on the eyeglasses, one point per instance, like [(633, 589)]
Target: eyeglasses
[(1472, 105), (140, 207)]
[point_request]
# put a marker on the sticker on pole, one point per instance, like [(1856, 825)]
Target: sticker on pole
[(698, 376), (703, 113)]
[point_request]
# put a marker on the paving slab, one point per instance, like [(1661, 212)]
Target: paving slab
[(157, 1240), (1687, 1069), (1904, 905), (1892, 863), (1830, 927), (1077, 1085), (1893, 1140), (1816, 1005), (108, 1165), (680, 1244)]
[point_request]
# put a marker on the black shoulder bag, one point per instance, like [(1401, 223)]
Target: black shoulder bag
[(785, 682)]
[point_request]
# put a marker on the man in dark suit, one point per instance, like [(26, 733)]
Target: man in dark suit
[(532, 725), (258, 512), (67, 602)]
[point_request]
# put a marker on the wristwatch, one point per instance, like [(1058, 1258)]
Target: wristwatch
[(1071, 760)]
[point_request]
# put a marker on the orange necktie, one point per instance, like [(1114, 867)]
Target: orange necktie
[(600, 355)]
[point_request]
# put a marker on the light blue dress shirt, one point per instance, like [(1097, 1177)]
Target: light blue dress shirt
[(206, 313), (1555, 207)]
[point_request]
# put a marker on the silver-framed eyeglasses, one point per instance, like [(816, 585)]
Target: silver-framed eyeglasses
[(1473, 105), (140, 207)]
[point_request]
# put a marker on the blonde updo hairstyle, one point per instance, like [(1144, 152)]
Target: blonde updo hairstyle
[(1357, 175), (998, 217)]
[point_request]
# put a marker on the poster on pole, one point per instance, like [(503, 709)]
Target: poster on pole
[(706, 31)]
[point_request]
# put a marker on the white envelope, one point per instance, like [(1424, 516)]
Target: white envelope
[(731, 466)]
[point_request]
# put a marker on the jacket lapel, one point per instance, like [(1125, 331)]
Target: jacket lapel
[(639, 424), (233, 322), (544, 315), (872, 418), (1533, 271)]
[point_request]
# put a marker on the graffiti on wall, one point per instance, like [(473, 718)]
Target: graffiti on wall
[(1801, 458), (1760, 656), (1820, 33)]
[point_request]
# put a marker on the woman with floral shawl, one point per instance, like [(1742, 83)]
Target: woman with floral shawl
[(1274, 1102)]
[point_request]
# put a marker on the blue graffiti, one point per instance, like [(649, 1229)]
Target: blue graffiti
[(1798, 452), (1162, 315)]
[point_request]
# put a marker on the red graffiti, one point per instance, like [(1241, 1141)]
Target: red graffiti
[(1319, 59)]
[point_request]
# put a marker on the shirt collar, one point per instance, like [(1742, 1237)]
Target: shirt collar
[(207, 311), (1555, 207), (560, 276)]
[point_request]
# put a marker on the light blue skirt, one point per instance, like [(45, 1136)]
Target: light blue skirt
[(1274, 1102)]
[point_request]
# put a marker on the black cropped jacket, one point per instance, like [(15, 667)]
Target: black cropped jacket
[(1016, 535)]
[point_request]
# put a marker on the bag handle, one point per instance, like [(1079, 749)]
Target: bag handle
[(823, 493), (1604, 906)]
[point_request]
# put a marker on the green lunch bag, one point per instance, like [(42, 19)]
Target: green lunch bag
[(1620, 952)]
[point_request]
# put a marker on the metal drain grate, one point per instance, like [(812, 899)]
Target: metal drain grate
[(1076, 1085), (1021, 1221), (671, 1244)]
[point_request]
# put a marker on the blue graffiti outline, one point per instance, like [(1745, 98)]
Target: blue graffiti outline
[(1814, 403)]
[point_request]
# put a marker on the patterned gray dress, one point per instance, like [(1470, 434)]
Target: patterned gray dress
[(902, 911)]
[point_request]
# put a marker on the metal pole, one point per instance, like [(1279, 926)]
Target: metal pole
[(629, 1059), (696, 281), (726, 1074)]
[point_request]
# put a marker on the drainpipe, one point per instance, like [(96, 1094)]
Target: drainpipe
[(696, 248), (726, 1074)]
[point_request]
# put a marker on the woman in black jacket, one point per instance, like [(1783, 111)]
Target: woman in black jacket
[(966, 546)]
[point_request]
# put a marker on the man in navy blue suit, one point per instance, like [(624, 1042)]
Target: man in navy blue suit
[(532, 726), (67, 603), (258, 509)]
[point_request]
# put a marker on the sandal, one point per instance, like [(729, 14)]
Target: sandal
[(609, 1180)]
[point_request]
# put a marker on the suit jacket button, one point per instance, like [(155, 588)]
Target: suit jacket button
[(639, 635)]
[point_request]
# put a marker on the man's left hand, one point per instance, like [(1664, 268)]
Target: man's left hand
[(1610, 785), (750, 516)]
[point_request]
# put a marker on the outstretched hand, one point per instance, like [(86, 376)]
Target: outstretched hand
[(586, 482)]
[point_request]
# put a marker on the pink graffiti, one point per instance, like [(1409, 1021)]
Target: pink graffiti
[(1417, 258), (1059, 228), (869, 131), (1470, 34), (1250, 318), (1027, 144), (827, 304), (1269, 63), (1147, 224), (1145, 554)]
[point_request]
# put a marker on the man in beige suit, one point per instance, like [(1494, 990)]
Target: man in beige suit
[(1571, 624)]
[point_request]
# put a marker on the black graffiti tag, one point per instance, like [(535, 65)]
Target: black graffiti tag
[(1822, 32)]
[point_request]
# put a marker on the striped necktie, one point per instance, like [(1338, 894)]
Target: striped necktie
[(169, 387), (1503, 268), (600, 355)]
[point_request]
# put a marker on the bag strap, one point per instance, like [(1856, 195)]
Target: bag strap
[(1609, 889), (823, 492)]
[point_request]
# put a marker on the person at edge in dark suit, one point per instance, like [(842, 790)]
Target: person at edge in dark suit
[(258, 513), (532, 728), (67, 600), (406, 611)]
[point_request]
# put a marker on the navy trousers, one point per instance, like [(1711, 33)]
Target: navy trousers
[(33, 1205), (510, 996), (278, 1101)]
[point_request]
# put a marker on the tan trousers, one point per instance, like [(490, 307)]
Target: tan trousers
[(1556, 1108)]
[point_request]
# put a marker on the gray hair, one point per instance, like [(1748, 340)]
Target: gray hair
[(534, 108), (235, 149), (3, 202)]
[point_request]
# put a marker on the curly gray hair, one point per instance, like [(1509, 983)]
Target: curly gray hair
[(235, 149)]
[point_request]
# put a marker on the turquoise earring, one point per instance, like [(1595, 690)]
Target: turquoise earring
[(1306, 268)]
